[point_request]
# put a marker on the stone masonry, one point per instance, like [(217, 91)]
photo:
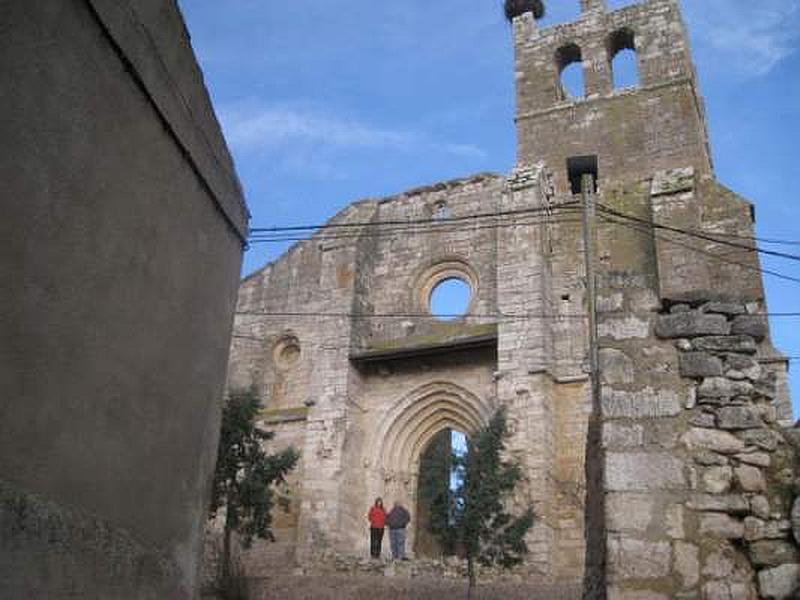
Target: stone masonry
[(688, 492)]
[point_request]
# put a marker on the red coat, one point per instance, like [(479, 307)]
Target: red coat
[(377, 517)]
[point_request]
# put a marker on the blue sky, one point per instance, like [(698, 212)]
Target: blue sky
[(327, 102)]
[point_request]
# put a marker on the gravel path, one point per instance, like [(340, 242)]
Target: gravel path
[(365, 587)]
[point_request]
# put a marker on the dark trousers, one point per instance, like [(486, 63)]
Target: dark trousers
[(375, 540)]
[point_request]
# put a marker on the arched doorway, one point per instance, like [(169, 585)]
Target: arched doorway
[(413, 426)]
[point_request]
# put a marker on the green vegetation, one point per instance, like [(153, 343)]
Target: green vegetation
[(245, 475), (478, 524)]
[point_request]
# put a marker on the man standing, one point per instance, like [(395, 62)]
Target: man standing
[(397, 520)]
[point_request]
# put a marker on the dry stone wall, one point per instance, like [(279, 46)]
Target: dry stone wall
[(700, 475)]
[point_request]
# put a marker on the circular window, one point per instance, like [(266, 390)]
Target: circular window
[(286, 352), (446, 289), (450, 299)]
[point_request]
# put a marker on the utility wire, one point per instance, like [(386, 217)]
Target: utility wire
[(573, 205), (350, 225), (518, 316), (406, 231), (696, 234), (646, 230), (254, 338)]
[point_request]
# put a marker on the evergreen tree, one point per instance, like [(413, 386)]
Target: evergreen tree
[(435, 498), (245, 475), (486, 532)]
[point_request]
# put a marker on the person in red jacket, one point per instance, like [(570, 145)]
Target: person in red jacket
[(377, 522)]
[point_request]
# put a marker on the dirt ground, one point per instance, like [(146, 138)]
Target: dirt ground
[(365, 587)]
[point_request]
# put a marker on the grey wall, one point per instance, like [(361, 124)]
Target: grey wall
[(122, 236)]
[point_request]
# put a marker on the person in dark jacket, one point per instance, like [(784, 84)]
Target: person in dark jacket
[(377, 522), (397, 520)]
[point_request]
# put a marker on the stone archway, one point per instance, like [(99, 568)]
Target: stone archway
[(409, 428)]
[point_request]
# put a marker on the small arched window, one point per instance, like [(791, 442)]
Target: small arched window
[(440, 211), (622, 56), (570, 72)]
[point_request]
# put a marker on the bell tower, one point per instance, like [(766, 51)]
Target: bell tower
[(616, 134)]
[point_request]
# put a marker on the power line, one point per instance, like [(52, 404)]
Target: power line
[(642, 229), (351, 315), (404, 224), (356, 224), (393, 232), (569, 362), (700, 235), (518, 316)]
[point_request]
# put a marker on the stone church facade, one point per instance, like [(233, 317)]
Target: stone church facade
[(338, 338)]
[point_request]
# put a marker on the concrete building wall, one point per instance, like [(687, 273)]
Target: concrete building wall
[(123, 228)]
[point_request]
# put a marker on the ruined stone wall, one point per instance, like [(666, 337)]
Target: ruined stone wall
[(633, 132), (389, 399), (700, 477)]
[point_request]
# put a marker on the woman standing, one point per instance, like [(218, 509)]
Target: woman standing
[(377, 521)]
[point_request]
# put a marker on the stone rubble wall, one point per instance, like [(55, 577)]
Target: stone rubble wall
[(700, 475)]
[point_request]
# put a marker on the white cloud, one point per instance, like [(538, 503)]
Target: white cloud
[(750, 37), (253, 127)]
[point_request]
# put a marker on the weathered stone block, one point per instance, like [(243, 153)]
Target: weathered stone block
[(629, 512), (735, 375), (710, 439), (673, 522), (609, 302), (761, 529), (709, 459), (719, 564), (703, 419), (699, 365), (745, 364), (771, 553), (687, 564), (717, 480), (759, 505), (743, 344), (779, 583), (630, 558), (644, 300), (691, 325), (750, 479), (630, 472), (646, 403), (622, 435), (755, 327), (615, 367), (734, 504), (757, 459), (724, 308), (723, 388), (738, 417), (727, 590), (623, 328), (721, 525), (762, 438), (796, 520)]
